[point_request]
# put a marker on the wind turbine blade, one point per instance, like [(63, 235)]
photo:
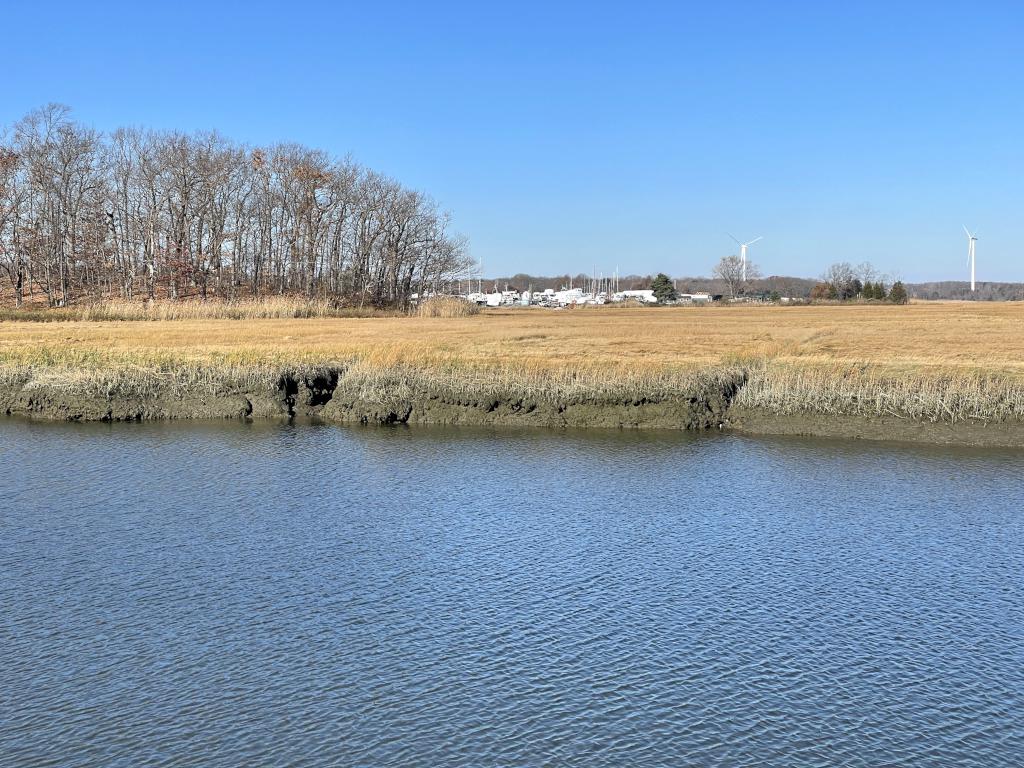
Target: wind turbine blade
[(754, 240), (734, 238), (967, 230)]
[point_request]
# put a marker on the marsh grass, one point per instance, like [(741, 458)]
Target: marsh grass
[(389, 377), (385, 376), (146, 374), (446, 306), (267, 308), (948, 362), (396, 382), (868, 390)]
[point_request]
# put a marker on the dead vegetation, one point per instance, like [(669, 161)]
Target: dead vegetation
[(867, 390), (446, 306), (265, 308), (930, 362)]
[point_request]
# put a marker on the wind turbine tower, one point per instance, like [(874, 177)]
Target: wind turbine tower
[(971, 240), (743, 253)]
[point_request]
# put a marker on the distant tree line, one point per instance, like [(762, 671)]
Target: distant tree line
[(137, 212), (844, 282), (962, 290), (876, 287), (796, 287)]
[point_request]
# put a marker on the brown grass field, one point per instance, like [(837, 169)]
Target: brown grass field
[(948, 361), (934, 337)]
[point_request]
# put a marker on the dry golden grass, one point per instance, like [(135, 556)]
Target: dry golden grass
[(264, 308), (947, 361), (944, 337), (446, 306)]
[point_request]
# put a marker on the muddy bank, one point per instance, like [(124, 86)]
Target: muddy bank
[(890, 428), (709, 399), (355, 397)]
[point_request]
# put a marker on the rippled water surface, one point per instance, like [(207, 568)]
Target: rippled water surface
[(307, 595)]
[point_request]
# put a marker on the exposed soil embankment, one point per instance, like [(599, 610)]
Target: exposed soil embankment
[(891, 428), (698, 401), (362, 395), (755, 398)]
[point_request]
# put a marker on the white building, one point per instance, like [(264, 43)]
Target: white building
[(647, 296)]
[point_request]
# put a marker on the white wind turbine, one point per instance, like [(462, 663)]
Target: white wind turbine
[(743, 253), (971, 240)]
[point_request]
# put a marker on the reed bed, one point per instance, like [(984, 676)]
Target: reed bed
[(947, 337), (867, 390), (265, 308), (144, 375), (936, 362), (446, 306)]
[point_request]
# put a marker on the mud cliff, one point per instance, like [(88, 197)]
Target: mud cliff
[(747, 399)]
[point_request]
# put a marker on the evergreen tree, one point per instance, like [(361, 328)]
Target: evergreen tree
[(868, 291), (880, 292), (898, 294), (663, 289)]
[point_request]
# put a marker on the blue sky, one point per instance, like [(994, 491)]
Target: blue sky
[(568, 136)]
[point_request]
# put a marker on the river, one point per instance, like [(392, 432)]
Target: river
[(272, 594)]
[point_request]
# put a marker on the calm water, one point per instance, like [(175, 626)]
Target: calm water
[(305, 595)]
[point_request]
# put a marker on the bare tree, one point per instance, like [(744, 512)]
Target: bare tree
[(730, 271), (12, 194), (179, 215), (865, 272), (842, 278)]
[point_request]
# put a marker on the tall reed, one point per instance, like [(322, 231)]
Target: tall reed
[(273, 307), (868, 390), (446, 306)]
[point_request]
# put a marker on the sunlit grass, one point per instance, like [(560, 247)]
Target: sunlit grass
[(270, 307), (948, 362)]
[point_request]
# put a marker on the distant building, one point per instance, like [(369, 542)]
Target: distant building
[(647, 296), (695, 298)]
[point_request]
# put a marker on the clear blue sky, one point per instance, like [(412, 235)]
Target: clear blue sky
[(564, 136)]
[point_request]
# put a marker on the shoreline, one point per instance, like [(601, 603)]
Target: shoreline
[(728, 398), (887, 429)]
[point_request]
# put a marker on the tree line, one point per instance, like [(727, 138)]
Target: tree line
[(845, 282), (842, 281), (146, 213), (987, 291)]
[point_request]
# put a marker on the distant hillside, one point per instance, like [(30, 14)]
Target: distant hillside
[(952, 289)]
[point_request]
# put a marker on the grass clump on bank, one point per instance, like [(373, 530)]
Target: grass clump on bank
[(137, 375), (446, 306), (933, 396)]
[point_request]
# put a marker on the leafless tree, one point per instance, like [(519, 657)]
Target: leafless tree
[(730, 271), (842, 277), (175, 215)]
